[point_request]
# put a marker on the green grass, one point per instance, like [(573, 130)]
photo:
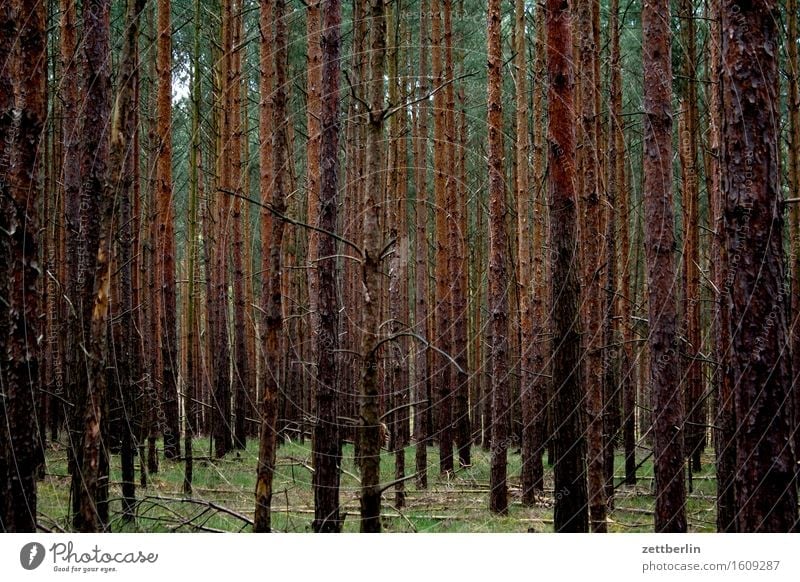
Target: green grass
[(454, 503)]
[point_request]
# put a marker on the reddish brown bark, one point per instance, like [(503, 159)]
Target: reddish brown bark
[(275, 44), (765, 489), (667, 405), (21, 190), (370, 427), (165, 246), (571, 500), (421, 254), (498, 274), (327, 438)]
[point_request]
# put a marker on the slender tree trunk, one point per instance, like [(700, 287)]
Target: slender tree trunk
[(525, 275), (571, 497), (626, 379), (21, 189), (277, 46), (165, 217), (765, 490), (591, 236), (724, 438), (241, 372), (421, 254), (123, 131), (695, 403), (498, 274), (370, 428), (667, 402), (327, 438), (442, 371)]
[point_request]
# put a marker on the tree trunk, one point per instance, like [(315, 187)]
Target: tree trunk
[(571, 497), (370, 427), (498, 274), (21, 189), (591, 237), (123, 131), (764, 484), (327, 439), (421, 254), (667, 402), (276, 44), (165, 218), (724, 438), (695, 403)]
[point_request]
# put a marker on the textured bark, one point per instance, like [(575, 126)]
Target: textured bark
[(21, 189), (693, 385), (626, 381), (442, 372), (667, 405), (222, 433), (370, 427), (96, 215), (614, 169), (793, 153), (421, 254), (327, 439), (498, 271), (122, 176), (193, 361), (539, 293), (277, 46), (314, 80), (525, 275), (241, 370), (456, 263), (591, 257), (764, 484), (165, 218), (571, 497), (724, 441)]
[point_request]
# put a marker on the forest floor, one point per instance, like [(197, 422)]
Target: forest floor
[(223, 496)]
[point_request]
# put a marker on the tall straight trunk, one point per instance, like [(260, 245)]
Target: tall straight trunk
[(524, 272), (498, 270), (793, 105), (314, 80), (96, 215), (539, 282), (21, 189), (327, 438), (443, 375), (765, 489), (625, 374), (694, 401), (724, 438), (592, 261), (241, 375), (667, 403), (193, 364), (221, 350), (165, 217), (457, 322), (370, 427), (275, 44), (74, 244), (422, 404), (571, 499), (123, 131), (611, 385)]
